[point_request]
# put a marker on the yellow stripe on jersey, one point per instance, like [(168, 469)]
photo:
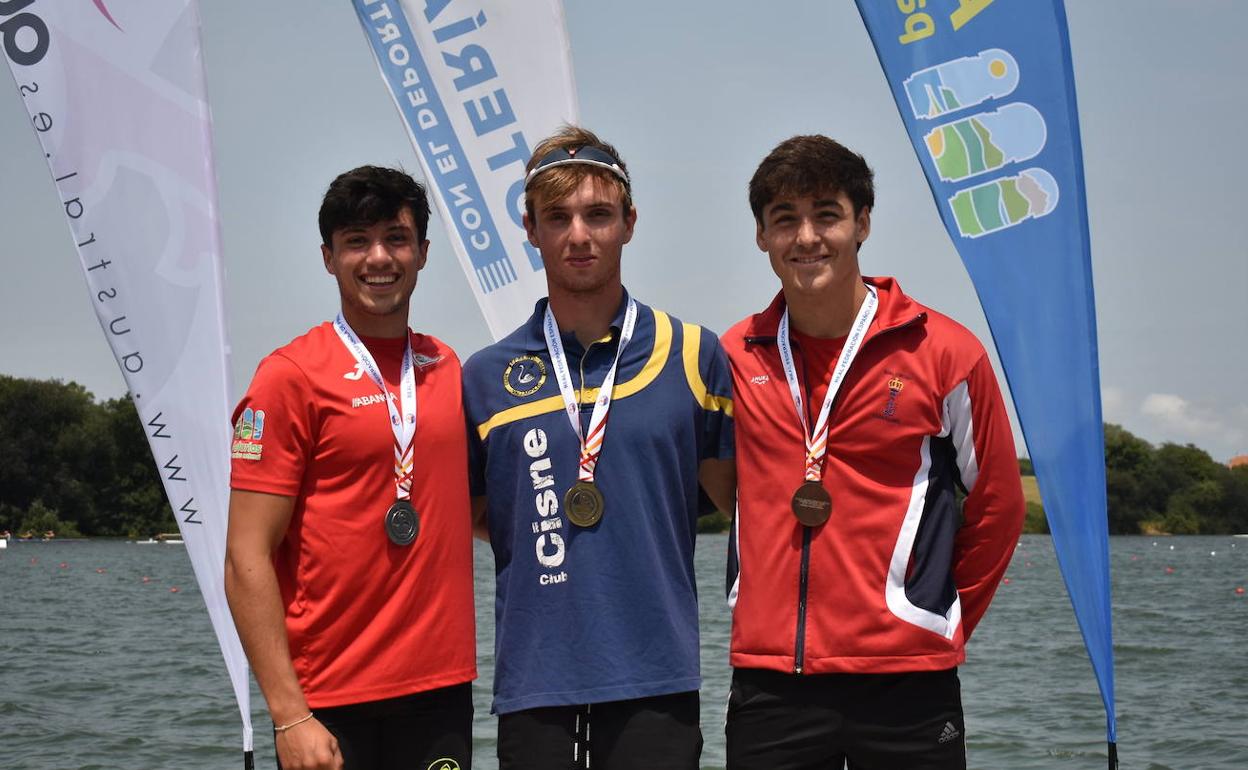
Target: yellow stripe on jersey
[(689, 351), (658, 356)]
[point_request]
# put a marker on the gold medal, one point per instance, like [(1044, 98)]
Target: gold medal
[(812, 505), (584, 504)]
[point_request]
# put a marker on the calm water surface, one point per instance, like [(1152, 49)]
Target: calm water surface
[(102, 669)]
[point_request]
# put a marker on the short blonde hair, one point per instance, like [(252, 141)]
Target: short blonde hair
[(560, 182)]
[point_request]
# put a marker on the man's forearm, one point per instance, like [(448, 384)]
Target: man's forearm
[(719, 479), (255, 602)]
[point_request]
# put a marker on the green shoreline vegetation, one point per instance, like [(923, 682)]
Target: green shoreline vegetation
[(74, 466), (82, 468)]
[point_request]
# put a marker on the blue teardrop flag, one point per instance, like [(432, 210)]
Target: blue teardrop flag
[(987, 95)]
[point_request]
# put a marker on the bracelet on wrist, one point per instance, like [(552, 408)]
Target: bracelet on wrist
[(285, 727)]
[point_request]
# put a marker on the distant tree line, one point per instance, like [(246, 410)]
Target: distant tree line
[(1172, 488), (74, 466)]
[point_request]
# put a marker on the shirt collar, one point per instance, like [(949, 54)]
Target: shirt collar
[(896, 309), (535, 338)]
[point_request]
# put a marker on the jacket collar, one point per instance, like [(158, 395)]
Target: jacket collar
[(895, 310)]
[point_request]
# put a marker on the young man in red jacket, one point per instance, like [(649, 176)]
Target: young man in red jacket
[(861, 417)]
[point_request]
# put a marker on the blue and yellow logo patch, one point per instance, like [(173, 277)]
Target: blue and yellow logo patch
[(525, 375)]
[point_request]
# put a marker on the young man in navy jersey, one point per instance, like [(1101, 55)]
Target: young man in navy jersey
[(593, 520), (860, 417)]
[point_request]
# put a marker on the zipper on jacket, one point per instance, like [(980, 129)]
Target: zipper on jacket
[(799, 646), (799, 653)]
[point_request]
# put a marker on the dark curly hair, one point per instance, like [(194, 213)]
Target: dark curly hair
[(811, 165), (367, 195)]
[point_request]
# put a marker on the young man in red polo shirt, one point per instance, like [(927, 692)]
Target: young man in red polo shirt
[(349, 553), (861, 418)]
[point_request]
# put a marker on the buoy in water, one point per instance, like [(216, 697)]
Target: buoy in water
[(64, 565), (100, 570), (1169, 570), (146, 579), (1006, 581), (173, 590), (1239, 590)]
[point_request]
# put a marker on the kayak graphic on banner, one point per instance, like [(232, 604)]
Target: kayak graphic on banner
[(475, 93), (986, 142), (986, 92), (1004, 202), (983, 142), (961, 83)]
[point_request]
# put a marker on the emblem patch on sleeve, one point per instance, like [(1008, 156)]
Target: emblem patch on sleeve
[(248, 432), (524, 376)]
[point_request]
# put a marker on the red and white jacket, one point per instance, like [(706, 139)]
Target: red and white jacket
[(898, 577)]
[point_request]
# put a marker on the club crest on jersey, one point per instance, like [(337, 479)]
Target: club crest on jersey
[(895, 385), (248, 431), (524, 376)]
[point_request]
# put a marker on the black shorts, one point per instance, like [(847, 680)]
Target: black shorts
[(779, 721), (426, 731), (659, 733)]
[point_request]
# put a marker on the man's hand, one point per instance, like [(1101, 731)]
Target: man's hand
[(308, 746)]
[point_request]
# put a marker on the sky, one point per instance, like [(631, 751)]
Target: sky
[(694, 94)]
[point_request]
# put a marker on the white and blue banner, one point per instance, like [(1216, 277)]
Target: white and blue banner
[(986, 92), (477, 85), (115, 93)]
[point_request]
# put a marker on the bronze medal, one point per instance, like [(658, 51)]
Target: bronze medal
[(584, 504), (812, 505), (402, 523)]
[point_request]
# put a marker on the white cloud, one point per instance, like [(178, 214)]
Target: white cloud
[(1113, 404), (1182, 421)]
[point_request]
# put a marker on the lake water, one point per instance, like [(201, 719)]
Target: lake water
[(102, 669)]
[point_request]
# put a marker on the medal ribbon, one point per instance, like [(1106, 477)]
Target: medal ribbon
[(403, 426), (591, 443), (817, 441)]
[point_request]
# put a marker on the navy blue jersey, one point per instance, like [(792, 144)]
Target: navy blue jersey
[(609, 612)]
